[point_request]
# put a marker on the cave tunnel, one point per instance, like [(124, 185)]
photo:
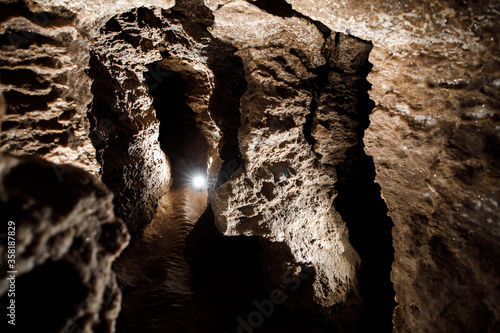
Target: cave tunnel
[(180, 137), (249, 166)]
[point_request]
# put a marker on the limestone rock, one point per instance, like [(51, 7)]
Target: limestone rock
[(42, 62), (282, 192), (66, 238), (137, 54), (434, 136)]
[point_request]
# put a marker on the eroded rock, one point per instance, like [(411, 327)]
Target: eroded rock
[(432, 137), (283, 192), (42, 61), (66, 238), (433, 134), (151, 50)]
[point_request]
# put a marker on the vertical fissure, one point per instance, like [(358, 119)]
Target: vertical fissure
[(362, 207), (319, 84), (224, 106)]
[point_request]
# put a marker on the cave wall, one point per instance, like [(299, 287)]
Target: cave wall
[(434, 138), (433, 133), (284, 189), (123, 124), (66, 239), (42, 63)]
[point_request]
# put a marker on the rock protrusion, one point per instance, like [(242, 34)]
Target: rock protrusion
[(42, 61), (66, 238)]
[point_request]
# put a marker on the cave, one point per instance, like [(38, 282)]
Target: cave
[(258, 166)]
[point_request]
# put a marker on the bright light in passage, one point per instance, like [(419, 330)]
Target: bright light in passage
[(199, 182)]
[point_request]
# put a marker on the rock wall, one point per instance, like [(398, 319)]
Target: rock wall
[(297, 122), (66, 238), (42, 61), (434, 136), (149, 66), (124, 127)]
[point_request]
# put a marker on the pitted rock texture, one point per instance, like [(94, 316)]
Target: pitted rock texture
[(338, 108), (434, 137), (66, 237), (284, 189), (137, 54), (42, 62), (91, 14)]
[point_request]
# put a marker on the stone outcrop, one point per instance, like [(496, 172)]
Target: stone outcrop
[(434, 136), (42, 61), (284, 189), (66, 238)]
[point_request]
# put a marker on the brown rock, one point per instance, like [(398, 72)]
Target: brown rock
[(433, 135), (66, 238), (42, 62), (138, 54), (281, 192)]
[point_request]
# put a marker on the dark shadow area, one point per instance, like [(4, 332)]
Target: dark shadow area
[(230, 293), (319, 84), (180, 137), (230, 85), (226, 275), (360, 204), (278, 8), (283, 9), (196, 11), (46, 297)]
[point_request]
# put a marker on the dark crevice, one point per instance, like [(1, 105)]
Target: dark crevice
[(276, 7), (23, 78), (370, 227), (180, 137), (226, 276), (319, 84), (196, 11), (230, 85), (309, 123), (60, 18), (20, 103), (284, 9), (337, 38)]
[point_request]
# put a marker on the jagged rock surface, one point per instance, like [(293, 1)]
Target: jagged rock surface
[(42, 62), (283, 192), (434, 137), (434, 132), (124, 127), (138, 52), (67, 237)]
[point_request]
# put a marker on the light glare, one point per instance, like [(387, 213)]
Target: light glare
[(199, 182)]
